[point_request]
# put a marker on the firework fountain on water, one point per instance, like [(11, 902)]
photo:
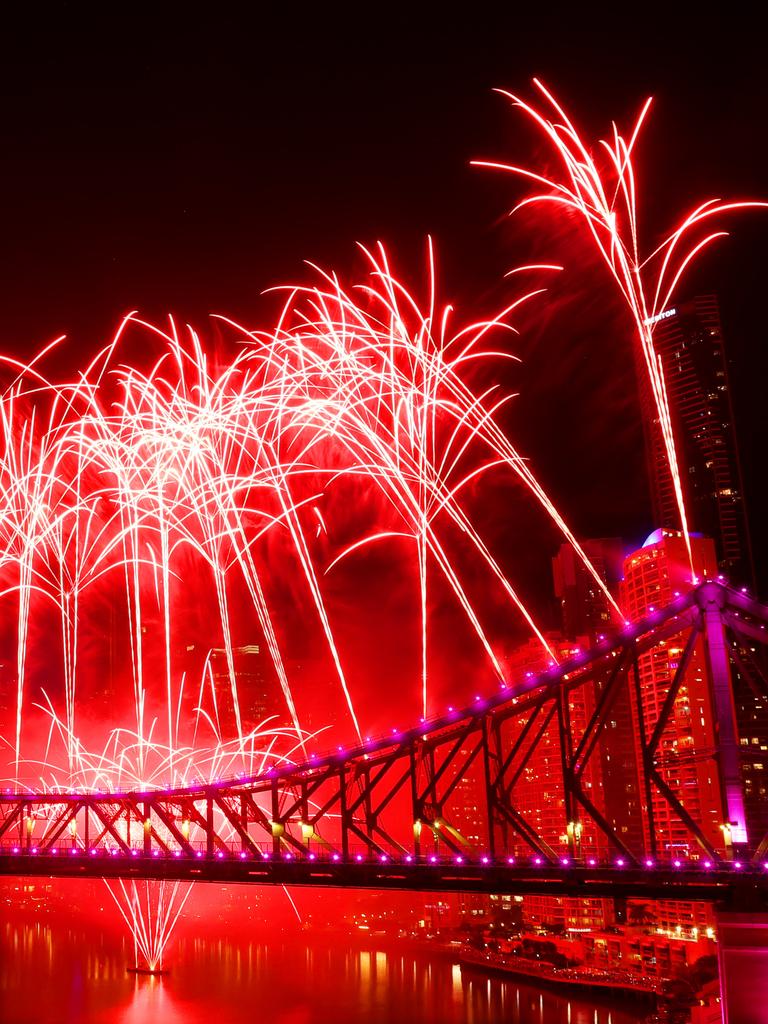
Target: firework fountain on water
[(125, 476)]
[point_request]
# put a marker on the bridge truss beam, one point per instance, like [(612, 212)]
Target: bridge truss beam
[(396, 807)]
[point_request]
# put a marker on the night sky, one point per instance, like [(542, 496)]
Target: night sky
[(179, 164)]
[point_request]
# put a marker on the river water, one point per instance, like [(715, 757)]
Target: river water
[(59, 973)]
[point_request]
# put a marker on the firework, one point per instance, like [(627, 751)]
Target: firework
[(603, 193), (113, 478), (127, 479), (129, 762), (150, 912), (120, 474)]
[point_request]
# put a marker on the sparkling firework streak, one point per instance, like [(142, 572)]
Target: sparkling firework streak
[(604, 195), (123, 478), (397, 400), (122, 473), (150, 911)]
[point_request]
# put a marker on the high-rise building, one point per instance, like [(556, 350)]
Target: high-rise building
[(689, 341), (467, 805), (652, 576), (259, 696), (586, 611), (584, 608), (540, 798)]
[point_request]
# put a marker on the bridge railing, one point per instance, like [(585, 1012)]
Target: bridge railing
[(362, 855)]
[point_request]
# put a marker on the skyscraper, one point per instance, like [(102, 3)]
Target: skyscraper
[(540, 797), (258, 690), (584, 608), (585, 611), (652, 576), (689, 341)]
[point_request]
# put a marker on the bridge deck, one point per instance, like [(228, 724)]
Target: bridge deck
[(725, 884)]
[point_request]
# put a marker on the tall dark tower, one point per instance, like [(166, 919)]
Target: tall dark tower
[(689, 340), (584, 607)]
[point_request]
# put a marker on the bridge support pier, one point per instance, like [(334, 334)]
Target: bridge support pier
[(743, 961)]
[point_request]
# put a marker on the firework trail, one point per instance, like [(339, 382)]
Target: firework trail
[(118, 473), (150, 912), (128, 762), (604, 195), (392, 377), (109, 480), (110, 477)]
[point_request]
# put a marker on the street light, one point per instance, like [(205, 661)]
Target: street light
[(574, 830)]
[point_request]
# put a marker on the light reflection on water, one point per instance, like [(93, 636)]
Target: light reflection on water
[(58, 974)]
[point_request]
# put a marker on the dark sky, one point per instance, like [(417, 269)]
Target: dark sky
[(184, 164)]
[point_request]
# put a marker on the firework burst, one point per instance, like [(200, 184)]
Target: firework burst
[(599, 183)]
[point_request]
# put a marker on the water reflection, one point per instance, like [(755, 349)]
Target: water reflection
[(57, 973), (151, 1001)]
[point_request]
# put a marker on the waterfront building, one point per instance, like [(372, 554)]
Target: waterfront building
[(653, 575), (585, 611)]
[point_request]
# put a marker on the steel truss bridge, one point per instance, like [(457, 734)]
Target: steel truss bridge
[(391, 813)]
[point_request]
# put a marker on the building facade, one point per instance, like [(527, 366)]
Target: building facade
[(653, 575), (689, 342), (585, 611)]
